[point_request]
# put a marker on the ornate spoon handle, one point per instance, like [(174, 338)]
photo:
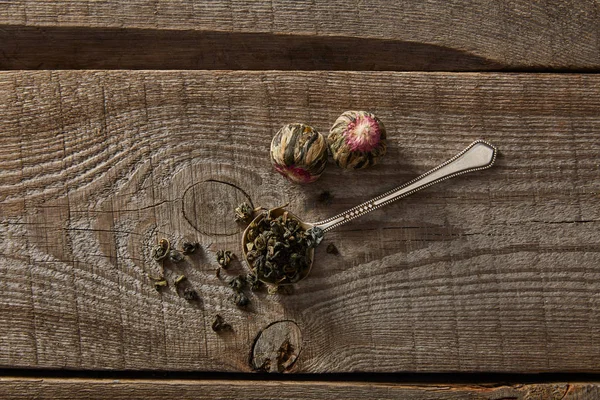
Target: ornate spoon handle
[(478, 155)]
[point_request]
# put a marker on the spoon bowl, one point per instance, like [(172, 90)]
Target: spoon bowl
[(277, 212)]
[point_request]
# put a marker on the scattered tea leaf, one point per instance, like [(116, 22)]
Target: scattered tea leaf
[(285, 352), (325, 197), (175, 256), (240, 299), (190, 294), (224, 258), (219, 324), (189, 247), (161, 250), (315, 236), (158, 284), (243, 212), (331, 249), (238, 283), (253, 281), (179, 279)]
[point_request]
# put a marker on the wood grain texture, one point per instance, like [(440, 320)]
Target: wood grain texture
[(493, 271), (308, 34), (53, 388)]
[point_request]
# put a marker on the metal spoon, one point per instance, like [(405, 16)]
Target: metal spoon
[(477, 156)]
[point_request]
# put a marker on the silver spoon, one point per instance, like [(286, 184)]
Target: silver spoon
[(477, 156)]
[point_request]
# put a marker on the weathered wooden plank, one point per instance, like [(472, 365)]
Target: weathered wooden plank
[(307, 34), (57, 388), (494, 271)]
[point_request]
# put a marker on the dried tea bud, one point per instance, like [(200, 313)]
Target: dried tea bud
[(219, 324), (224, 258), (161, 250), (175, 256), (243, 212), (189, 247), (299, 153), (357, 140)]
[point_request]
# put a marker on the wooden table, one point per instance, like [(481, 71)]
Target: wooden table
[(124, 122)]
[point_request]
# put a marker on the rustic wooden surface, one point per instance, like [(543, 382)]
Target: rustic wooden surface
[(494, 271), (53, 388), (308, 34)]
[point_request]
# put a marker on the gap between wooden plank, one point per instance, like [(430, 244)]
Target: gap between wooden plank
[(488, 379), (40, 388), (77, 48), (24, 48)]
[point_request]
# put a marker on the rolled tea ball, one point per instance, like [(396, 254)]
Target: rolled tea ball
[(299, 153), (357, 140)]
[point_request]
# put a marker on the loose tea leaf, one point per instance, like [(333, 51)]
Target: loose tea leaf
[(331, 249), (224, 258), (161, 250), (325, 197), (160, 284), (253, 281), (240, 299), (190, 247), (190, 294), (285, 352), (175, 256), (315, 236), (238, 283), (243, 212), (219, 324), (179, 279)]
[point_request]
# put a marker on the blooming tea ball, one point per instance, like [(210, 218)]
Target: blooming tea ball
[(299, 153), (357, 140)]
